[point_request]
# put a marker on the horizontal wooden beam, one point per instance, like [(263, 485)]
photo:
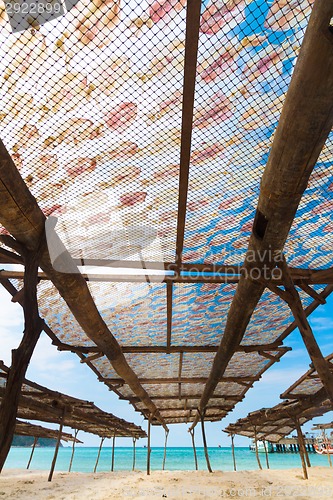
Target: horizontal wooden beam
[(183, 380), (317, 277)]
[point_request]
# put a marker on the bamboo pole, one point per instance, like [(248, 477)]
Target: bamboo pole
[(301, 447), (304, 125), (57, 446), (113, 445), (99, 452), (134, 457), (73, 450), (148, 449), (266, 453), (328, 455), (32, 451), (256, 447), (194, 449), (204, 441), (233, 451), (165, 446)]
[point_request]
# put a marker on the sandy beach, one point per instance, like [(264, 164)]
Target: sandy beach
[(22, 484)]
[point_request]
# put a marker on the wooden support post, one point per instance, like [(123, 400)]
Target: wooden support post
[(134, 457), (113, 445), (307, 459), (233, 451), (165, 447), (21, 356), (256, 447), (148, 448), (266, 453), (291, 296), (73, 450), (194, 449), (327, 446), (301, 447), (57, 446), (32, 451), (202, 417), (99, 452)]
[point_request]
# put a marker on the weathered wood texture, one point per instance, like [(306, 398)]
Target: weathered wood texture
[(22, 217), (304, 125), (22, 355)]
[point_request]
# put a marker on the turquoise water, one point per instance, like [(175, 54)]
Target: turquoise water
[(177, 459)]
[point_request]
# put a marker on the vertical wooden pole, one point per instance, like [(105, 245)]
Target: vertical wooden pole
[(21, 356), (328, 455), (233, 451), (301, 447), (266, 453), (148, 449), (256, 446), (165, 447), (194, 450), (57, 446), (32, 451), (307, 458), (99, 452), (134, 442), (113, 445), (73, 450), (202, 416)]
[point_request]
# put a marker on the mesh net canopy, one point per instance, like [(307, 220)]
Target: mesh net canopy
[(92, 100)]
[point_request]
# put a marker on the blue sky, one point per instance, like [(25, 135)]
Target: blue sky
[(62, 371)]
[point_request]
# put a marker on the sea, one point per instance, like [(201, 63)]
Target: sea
[(176, 459)]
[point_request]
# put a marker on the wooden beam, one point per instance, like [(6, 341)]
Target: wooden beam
[(317, 277), (22, 217), (88, 359), (22, 355), (305, 123), (312, 293), (184, 380), (7, 257), (319, 362), (190, 70)]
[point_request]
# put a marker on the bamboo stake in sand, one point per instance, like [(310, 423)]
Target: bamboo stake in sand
[(233, 450), (134, 441), (113, 445), (99, 452), (73, 450), (256, 446), (194, 450), (32, 451), (57, 445), (165, 447)]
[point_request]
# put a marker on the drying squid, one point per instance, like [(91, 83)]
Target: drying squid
[(121, 117), (220, 13), (26, 57), (164, 9), (94, 21), (287, 14), (208, 152), (216, 109)]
